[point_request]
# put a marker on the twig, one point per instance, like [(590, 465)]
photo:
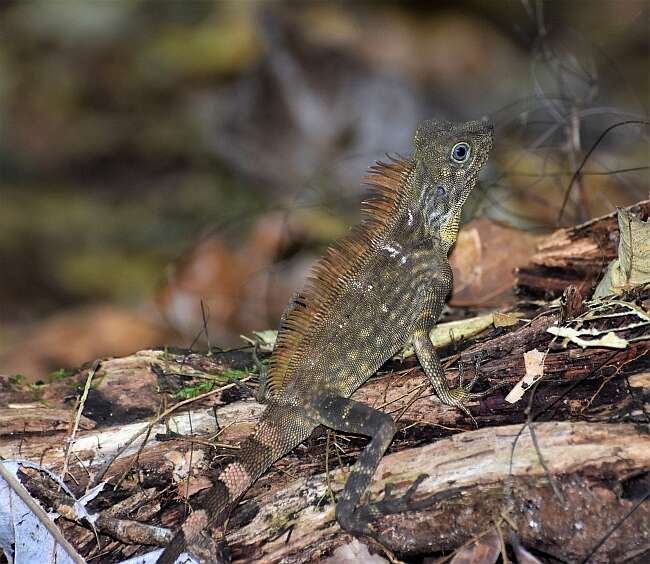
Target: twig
[(578, 171), (327, 470), (133, 461), (75, 426)]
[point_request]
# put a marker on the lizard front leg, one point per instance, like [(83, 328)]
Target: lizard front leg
[(430, 362)]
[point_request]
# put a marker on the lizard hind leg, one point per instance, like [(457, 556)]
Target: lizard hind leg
[(350, 416)]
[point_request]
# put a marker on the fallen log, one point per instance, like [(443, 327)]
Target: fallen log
[(478, 480), (581, 490)]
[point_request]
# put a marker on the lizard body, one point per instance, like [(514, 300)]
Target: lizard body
[(382, 285)]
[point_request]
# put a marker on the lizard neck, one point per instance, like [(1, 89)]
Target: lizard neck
[(413, 232)]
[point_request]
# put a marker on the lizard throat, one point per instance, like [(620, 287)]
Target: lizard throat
[(449, 230)]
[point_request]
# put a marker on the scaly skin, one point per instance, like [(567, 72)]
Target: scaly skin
[(385, 283)]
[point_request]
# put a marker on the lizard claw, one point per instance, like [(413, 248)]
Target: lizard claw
[(392, 503), (359, 520), (462, 394), (396, 504)]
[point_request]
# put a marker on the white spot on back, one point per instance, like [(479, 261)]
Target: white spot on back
[(393, 250)]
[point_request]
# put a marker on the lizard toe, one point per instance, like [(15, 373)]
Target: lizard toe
[(392, 503)]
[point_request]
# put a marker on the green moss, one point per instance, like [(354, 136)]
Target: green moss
[(194, 390), (58, 375), (17, 380), (204, 386)]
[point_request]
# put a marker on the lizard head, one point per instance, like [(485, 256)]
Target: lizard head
[(448, 157)]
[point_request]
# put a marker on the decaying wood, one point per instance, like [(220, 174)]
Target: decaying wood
[(95, 449), (33, 418), (592, 413), (394, 391), (402, 391), (110, 522), (479, 481), (577, 255)]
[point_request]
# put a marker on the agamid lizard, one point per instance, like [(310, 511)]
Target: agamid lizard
[(382, 285)]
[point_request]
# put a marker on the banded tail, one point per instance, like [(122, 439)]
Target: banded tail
[(280, 430)]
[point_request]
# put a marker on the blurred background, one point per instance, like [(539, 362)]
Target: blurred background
[(168, 167)]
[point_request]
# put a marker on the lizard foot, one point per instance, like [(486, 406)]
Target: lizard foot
[(462, 394), (359, 520), (397, 504)]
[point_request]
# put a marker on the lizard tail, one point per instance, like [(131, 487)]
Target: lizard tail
[(277, 434)]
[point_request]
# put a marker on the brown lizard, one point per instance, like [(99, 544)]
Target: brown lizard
[(382, 285)]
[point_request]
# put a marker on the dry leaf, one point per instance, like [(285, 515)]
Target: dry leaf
[(197, 484), (506, 319), (632, 267), (484, 261), (183, 462), (610, 340), (265, 339), (534, 363)]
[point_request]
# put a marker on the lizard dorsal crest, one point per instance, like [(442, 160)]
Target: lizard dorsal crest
[(340, 264)]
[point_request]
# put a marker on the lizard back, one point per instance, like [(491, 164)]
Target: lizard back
[(340, 269)]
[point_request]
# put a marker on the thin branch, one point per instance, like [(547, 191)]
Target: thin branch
[(578, 171), (39, 512)]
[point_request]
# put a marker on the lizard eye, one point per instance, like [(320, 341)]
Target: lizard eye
[(440, 191), (460, 152)]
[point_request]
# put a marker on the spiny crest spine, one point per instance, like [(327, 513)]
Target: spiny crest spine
[(338, 267)]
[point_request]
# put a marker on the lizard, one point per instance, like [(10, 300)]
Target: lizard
[(382, 285)]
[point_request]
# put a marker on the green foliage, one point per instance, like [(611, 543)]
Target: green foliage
[(58, 375), (20, 382), (17, 380), (204, 386)]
